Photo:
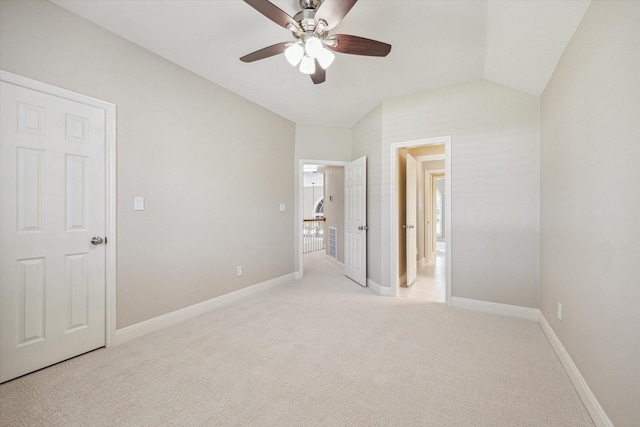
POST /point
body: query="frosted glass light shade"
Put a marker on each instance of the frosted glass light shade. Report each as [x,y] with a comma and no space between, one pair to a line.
[307,65]
[313,47]
[326,57]
[294,54]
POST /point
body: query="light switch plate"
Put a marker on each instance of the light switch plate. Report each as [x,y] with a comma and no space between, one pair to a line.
[560,313]
[138,203]
[282,207]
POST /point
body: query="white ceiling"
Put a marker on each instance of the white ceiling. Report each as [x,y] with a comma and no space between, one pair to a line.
[436,43]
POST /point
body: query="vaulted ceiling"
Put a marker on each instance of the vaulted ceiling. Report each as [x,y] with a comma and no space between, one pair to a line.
[436,43]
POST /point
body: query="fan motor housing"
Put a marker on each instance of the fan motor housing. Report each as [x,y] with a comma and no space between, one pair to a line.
[306,19]
[310,4]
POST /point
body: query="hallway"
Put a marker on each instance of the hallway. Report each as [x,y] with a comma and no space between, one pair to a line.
[430,283]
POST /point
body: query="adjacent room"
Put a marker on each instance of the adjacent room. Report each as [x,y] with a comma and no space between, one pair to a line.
[307,212]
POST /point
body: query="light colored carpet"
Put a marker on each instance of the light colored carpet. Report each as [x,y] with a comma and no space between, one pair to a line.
[318,352]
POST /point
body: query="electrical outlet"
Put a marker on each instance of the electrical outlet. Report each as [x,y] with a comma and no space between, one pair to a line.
[239,271]
[560,311]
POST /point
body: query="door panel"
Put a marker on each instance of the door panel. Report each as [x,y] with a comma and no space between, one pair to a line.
[355,260]
[411,220]
[52,292]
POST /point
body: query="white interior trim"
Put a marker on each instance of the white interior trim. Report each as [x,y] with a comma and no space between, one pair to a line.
[597,413]
[157,323]
[300,217]
[446,140]
[594,408]
[496,308]
[375,287]
[430,157]
[110,182]
[384,291]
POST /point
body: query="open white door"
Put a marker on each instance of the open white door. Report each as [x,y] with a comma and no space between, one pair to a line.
[355,240]
[411,220]
[52,230]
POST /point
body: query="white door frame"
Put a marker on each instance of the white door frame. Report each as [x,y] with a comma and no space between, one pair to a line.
[300,214]
[110,181]
[393,223]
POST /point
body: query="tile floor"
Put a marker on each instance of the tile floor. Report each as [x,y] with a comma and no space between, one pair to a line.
[430,283]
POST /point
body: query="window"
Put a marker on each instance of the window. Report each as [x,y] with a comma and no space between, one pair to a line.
[318,211]
[438,214]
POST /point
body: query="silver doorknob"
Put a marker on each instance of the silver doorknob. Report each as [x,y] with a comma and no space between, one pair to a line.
[97,240]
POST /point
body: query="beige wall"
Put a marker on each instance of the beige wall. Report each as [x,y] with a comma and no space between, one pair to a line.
[334,206]
[495,184]
[590,205]
[322,143]
[182,143]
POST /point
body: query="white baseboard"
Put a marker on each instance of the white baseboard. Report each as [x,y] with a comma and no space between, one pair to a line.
[384,291]
[374,286]
[496,308]
[139,329]
[589,400]
[598,415]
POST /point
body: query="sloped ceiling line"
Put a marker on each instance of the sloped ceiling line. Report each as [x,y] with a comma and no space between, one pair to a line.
[435,43]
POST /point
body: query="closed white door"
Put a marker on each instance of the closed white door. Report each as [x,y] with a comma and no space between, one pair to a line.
[411,220]
[355,243]
[52,203]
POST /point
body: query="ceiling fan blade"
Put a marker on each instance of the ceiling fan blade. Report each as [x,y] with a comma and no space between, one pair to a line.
[355,45]
[266,52]
[332,11]
[320,74]
[273,12]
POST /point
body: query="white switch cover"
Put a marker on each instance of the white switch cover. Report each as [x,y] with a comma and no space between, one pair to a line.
[559,311]
[138,203]
[239,271]
[282,207]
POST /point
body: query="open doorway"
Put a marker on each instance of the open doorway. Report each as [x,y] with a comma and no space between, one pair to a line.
[320,212]
[420,219]
[313,219]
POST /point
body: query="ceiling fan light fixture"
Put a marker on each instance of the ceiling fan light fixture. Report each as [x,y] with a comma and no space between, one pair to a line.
[294,54]
[313,47]
[307,65]
[325,59]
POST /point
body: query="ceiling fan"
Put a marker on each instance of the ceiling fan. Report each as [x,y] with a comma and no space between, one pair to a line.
[313,46]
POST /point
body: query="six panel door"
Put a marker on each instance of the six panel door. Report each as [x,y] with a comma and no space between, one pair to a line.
[355,243]
[52,291]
